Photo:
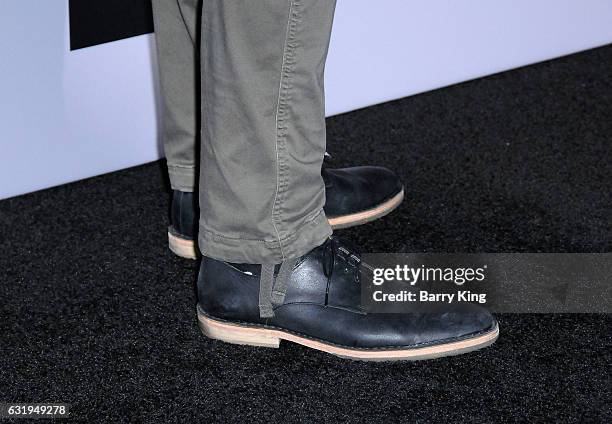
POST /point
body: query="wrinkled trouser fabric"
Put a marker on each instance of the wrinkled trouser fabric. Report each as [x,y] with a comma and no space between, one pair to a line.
[262,120]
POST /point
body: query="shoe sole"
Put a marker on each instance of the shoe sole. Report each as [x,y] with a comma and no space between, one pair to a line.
[359,218]
[187,248]
[263,337]
[182,247]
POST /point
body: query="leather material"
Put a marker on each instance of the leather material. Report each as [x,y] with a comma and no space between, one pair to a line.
[325,305]
[184,215]
[347,191]
[358,189]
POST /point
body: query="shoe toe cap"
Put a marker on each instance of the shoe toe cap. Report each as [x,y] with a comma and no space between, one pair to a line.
[466,322]
[432,327]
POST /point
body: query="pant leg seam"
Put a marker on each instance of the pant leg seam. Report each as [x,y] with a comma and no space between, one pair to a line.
[191,37]
[287,68]
[288,237]
[182,177]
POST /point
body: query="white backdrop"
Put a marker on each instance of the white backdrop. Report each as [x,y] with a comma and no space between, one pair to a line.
[70,115]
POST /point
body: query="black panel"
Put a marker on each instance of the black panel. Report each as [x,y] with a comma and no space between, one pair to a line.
[95,22]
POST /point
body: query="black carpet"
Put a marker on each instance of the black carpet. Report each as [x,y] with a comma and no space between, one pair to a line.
[98,313]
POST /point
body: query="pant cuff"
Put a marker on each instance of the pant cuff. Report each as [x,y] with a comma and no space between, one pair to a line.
[182,177]
[312,234]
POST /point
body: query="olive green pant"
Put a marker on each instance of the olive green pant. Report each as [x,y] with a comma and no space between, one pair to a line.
[244,120]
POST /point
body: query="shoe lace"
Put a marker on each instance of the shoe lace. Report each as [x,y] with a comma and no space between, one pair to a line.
[273,286]
[341,249]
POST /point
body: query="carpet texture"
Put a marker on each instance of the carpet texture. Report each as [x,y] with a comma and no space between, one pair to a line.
[98,313]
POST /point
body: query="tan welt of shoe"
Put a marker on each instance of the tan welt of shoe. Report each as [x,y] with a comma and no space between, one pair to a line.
[182,247]
[187,248]
[345,221]
[254,336]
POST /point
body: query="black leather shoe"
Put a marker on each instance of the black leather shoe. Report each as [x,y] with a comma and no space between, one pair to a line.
[353,196]
[320,308]
[183,229]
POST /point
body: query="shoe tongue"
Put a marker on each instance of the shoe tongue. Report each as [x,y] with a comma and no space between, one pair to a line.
[328,252]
